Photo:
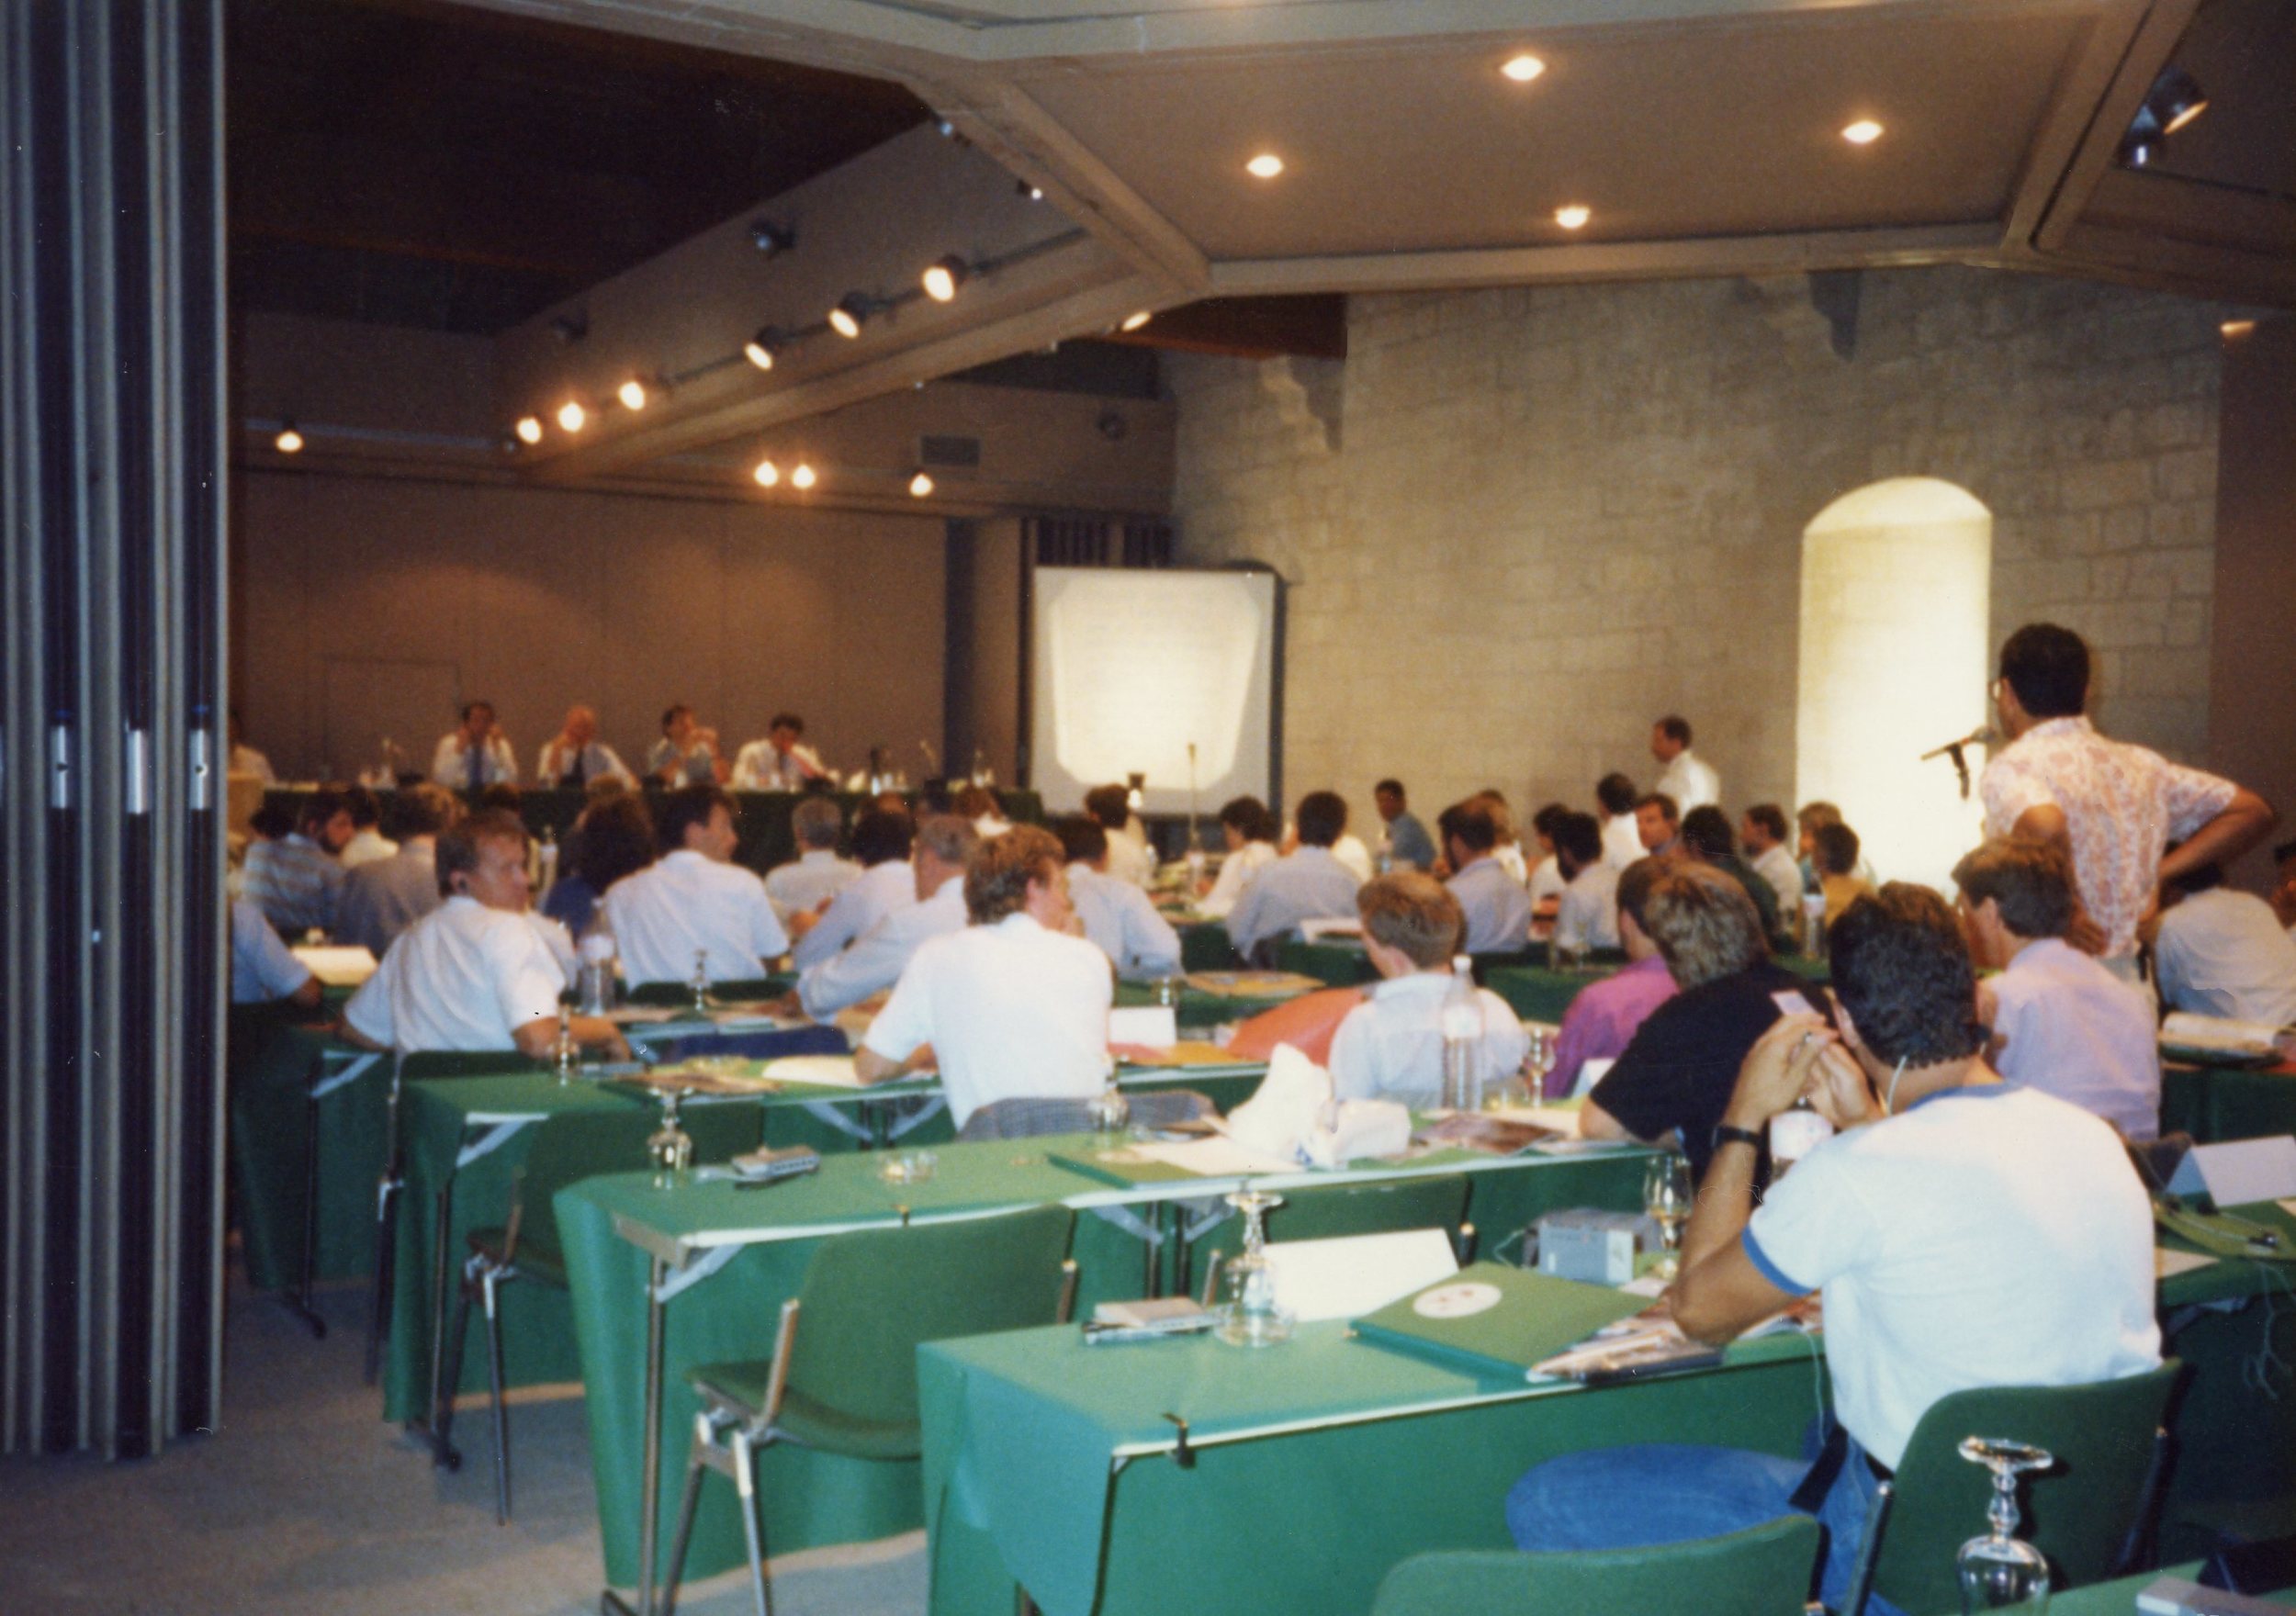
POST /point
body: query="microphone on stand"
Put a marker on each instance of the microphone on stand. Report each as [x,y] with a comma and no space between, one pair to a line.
[1982,735]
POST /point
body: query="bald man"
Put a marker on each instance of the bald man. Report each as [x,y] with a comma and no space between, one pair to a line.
[576,756]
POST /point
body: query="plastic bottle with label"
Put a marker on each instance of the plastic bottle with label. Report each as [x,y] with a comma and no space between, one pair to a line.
[1462,1039]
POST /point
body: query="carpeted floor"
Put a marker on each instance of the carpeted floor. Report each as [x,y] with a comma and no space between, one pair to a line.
[305,1502]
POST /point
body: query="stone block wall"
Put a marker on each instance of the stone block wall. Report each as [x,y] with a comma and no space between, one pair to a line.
[1522,523]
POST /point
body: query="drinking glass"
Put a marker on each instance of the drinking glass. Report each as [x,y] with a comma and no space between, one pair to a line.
[1666,1197]
[1250,1316]
[700,985]
[1566,958]
[1110,1111]
[2000,1569]
[671,1148]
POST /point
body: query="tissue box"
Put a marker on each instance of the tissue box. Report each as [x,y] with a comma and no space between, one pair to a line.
[1597,1248]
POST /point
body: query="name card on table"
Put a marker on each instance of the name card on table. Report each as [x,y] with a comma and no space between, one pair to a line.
[1350,1276]
[336,967]
[1151,1027]
[2239,1172]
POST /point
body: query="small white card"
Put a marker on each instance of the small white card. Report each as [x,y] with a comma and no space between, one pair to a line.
[1153,1026]
[831,1071]
[1315,931]
[2240,1172]
[1355,1274]
[2167,1264]
[337,967]
[1591,1072]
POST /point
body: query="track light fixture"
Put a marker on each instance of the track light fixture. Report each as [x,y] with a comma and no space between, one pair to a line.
[944,277]
[571,415]
[766,473]
[529,429]
[570,329]
[920,486]
[851,312]
[760,349]
[1132,322]
[289,441]
[632,393]
[802,476]
[771,237]
[2174,101]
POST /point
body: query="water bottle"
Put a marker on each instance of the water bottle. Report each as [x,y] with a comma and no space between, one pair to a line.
[1794,1133]
[1462,1040]
[597,954]
[1814,925]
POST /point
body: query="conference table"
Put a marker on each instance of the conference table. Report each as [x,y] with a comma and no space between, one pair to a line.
[666,1278]
[1188,1474]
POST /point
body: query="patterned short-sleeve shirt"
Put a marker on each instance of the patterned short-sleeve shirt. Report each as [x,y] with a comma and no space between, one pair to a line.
[2121,803]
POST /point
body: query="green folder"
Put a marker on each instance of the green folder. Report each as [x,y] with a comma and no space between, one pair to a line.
[1123,1174]
[1535,1317]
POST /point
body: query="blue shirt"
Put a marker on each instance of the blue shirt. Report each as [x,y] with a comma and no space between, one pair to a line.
[1308,884]
[1498,910]
[1409,843]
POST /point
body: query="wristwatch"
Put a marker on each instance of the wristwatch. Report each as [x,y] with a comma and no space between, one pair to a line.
[1726,1133]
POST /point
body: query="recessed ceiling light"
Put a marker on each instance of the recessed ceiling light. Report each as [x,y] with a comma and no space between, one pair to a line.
[529,430]
[766,473]
[1266,167]
[1863,132]
[1574,216]
[289,441]
[1523,68]
[571,415]
[632,393]
[1132,322]
[920,485]
[803,476]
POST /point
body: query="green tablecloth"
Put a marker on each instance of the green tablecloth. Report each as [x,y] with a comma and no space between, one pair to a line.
[1316,1465]
[1339,961]
[2215,1103]
[1198,1009]
[270,1130]
[763,1238]
[1537,994]
[1204,944]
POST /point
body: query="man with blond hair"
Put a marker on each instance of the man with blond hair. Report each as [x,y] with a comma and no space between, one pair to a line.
[1391,1046]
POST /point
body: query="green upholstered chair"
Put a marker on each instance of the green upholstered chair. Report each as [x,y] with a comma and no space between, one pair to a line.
[843,1375]
[675,995]
[568,1148]
[1436,1201]
[1763,1571]
[2083,1513]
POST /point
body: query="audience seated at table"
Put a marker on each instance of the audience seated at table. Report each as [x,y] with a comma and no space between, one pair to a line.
[1965,1232]
[368,841]
[295,879]
[807,884]
[1706,837]
[1547,880]
[1810,819]
[1307,883]
[881,844]
[1762,836]
[2222,952]
[1117,916]
[1405,844]
[2284,891]
[475,974]
[264,971]
[687,754]
[1497,910]
[1012,1007]
[1837,855]
[1689,781]
[1250,832]
[781,762]
[1616,797]
[615,837]
[694,899]
[1675,1076]
[1604,1016]
[575,756]
[1658,826]
[475,754]
[1129,857]
[2060,1021]
[1390,1046]
[1586,916]
[944,843]
[1507,849]
[380,900]
[979,804]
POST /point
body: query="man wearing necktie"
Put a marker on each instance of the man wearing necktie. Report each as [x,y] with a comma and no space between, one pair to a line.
[575,756]
[475,756]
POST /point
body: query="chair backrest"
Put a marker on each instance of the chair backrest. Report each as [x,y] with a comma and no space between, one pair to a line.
[2078,1514]
[758,1046]
[574,1145]
[1026,1118]
[1436,1201]
[676,995]
[872,1297]
[1763,1571]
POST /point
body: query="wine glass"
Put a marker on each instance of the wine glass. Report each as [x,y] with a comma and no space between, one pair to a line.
[1666,1197]
[700,984]
[2000,1569]
[1250,1316]
[671,1148]
[1109,1112]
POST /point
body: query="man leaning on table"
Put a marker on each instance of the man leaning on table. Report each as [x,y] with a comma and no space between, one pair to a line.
[1011,1007]
[475,754]
[694,899]
[474,974]
[575,756]
[1947,1258]
[875,960]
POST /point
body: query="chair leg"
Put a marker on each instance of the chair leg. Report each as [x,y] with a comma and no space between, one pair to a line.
[688,1506]
[487,1281]
[752,1509]
[443,1416]
[385,1264]
[1869,1550]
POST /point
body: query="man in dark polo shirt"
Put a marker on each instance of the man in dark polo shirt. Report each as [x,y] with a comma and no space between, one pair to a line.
[1675,1077]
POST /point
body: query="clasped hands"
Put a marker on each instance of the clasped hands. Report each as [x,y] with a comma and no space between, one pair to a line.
[1801,1057]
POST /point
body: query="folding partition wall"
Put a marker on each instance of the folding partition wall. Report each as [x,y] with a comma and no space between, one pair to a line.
[111,936]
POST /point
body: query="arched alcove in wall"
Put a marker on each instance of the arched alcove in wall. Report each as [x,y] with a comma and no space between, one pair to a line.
[1897,587]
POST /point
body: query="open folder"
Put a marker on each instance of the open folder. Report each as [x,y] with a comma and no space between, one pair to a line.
[1493,1320]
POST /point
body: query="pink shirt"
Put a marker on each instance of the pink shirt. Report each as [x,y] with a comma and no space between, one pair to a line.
[2121,806]
[1602,1020]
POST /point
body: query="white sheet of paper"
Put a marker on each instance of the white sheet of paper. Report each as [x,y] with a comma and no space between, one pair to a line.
[1355,1274]
[2188,1030]
[1329,927]
[1563,1119]
[337,967]
[1590,1074]
[1215,1157]
[1153,1026]
[2240,1170]
[834,1070]
[2167,1264]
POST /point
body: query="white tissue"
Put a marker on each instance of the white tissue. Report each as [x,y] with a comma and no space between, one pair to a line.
[1283,1110]
[1354,1130]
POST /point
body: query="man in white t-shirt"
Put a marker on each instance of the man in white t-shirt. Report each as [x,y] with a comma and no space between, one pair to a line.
[1129,857]
[1013,1007]
[474,974]
[1622,839]
[2221,952]
[880,841]
[875,960]
[1965,1233]
[1391,1046]
[1117,916]
[781,762]
[807,884]
[1689,779]
[265,970]
[694,899]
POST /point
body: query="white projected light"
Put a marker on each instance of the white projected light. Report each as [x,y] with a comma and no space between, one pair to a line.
[1896,588]
[1131,668]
